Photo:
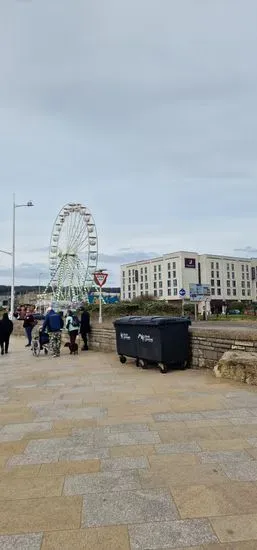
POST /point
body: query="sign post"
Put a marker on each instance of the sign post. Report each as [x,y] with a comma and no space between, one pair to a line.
[100,279]
[199,293]
[182,293]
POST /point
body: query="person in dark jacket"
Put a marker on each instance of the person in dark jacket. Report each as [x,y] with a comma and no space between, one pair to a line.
[29,324]
[85,328]
[6,328]
[53,325]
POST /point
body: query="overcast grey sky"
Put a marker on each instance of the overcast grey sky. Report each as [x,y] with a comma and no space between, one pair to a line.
[143,110]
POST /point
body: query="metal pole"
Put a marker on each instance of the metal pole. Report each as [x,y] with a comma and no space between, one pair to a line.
[196,311]
[100,305]
[182,307]
[13,260]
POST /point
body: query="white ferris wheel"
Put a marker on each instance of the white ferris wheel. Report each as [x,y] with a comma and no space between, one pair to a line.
[73,254]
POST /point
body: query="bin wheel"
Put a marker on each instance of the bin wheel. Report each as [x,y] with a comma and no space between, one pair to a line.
[163,368]
[143,364]
[123,359]
[137,362]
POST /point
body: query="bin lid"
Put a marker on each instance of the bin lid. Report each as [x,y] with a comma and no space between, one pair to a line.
[151,321]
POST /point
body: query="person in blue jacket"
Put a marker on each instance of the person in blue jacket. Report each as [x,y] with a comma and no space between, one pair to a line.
[53,324]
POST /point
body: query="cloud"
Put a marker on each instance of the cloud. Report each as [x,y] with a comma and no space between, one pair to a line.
[144,115]
[247,250]
[126,257]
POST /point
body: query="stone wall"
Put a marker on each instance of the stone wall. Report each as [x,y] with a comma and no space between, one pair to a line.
[207,345]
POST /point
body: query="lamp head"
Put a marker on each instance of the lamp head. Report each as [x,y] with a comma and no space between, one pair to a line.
[30,203]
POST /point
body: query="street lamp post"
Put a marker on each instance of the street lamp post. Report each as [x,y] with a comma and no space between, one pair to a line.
[29,203]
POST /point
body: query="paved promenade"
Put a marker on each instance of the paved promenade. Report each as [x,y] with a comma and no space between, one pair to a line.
[98,456]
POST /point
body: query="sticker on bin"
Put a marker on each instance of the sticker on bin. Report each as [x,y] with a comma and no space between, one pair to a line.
[125,336]
[145,338]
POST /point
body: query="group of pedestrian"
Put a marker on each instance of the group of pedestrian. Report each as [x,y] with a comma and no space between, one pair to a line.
[53,326]
[54,323]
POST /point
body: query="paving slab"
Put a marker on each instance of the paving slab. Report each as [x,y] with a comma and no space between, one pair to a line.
[21,542]
[128,507]
[170,535]
[97,456]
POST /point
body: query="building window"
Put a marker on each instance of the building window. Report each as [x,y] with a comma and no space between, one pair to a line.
[168,265]
[247,276]
[124,296]
[247,268]
[141,270]
[169,274]
[134,294]
[146,293]
[175,291]
[159,267]
[169,291]
[146,286]
[146,277]
[134,287]
[243,284]
[243,276]
[141,286]
[160,293]
[217,274]
[217,265]
[155,276]
[228,274]
[155,285]
[174,265]
[129,279]
[174,274]
[212,282]
[123,274]
[129,295]
[129,287]
[234,283]
[228,284]
[160,284]
[175,282]
[169,284]
[145,269]
[212,274]
[248,293]
[155,268]
[129,272]
[160,276]
[228,266]
[155,293]
[218,282]
[243,267]
[141,293]
[233,267]
[228,292]
[233,274]
[213,291]
[141,278]
[133,279]
[212,265]
[219,292]
[243,292]
[234,291]
[248,284]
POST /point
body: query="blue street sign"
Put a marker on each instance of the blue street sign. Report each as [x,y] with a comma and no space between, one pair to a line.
[182,292]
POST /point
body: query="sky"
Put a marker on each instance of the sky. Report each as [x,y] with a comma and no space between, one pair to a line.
[143,111]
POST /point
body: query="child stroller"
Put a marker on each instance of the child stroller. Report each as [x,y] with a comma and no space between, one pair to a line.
[40,343]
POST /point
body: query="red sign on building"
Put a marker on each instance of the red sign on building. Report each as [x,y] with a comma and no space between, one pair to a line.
[100,278]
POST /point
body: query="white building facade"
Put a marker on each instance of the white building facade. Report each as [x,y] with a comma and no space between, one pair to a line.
[230,278]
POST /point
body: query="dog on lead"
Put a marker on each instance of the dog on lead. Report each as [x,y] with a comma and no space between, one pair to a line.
[73,348]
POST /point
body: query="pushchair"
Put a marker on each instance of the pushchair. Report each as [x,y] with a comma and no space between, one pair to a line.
[40,343]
